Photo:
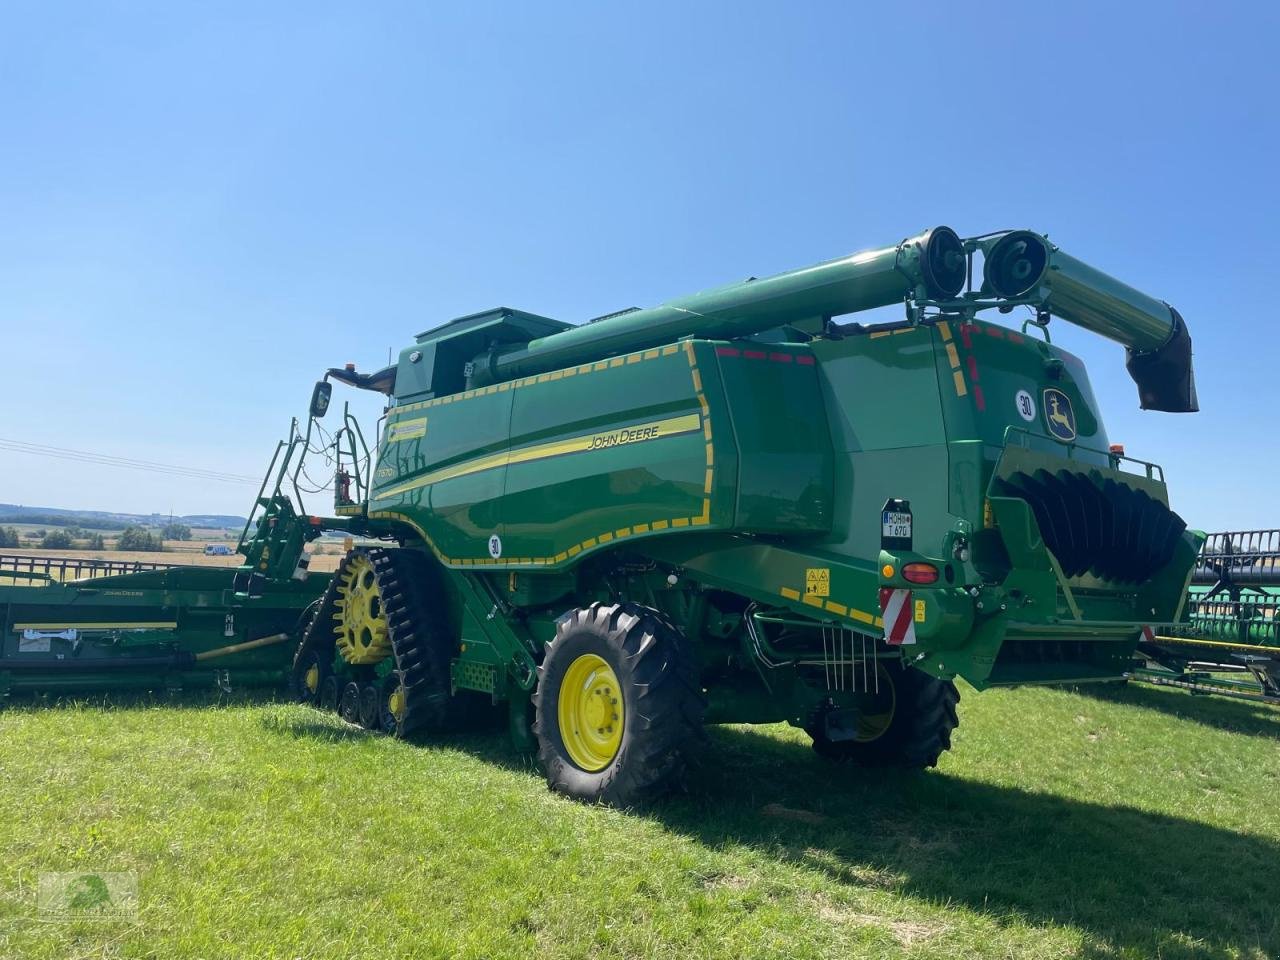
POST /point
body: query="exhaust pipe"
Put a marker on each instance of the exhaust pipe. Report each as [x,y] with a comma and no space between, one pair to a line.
[1022,264]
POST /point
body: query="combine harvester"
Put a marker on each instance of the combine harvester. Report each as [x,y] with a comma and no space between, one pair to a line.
[732,508]
[1232,629]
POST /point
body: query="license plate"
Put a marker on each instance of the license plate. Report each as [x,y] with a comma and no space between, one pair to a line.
[895,525]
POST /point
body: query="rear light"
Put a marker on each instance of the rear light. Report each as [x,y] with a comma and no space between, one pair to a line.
[920,573]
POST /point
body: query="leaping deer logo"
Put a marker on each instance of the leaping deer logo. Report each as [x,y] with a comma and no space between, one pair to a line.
[1060,418]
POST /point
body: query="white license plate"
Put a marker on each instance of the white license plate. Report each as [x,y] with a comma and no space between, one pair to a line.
[896,525]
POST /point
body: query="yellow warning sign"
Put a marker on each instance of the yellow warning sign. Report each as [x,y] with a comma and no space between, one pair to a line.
[919,611]
[817,582]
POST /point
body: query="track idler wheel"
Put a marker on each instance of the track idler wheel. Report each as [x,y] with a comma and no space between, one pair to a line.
[308,677]
[371,707]
[349,705]
[617,706]
[330,691]
[390,704]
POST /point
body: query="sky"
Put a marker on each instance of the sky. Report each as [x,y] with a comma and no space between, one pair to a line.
[202,207]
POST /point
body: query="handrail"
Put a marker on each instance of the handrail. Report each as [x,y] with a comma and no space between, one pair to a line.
[1030,441]
[48,569]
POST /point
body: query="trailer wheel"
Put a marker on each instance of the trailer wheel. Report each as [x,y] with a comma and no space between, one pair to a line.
[617,706]
[910,728]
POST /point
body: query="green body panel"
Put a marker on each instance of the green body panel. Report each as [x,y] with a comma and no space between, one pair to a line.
[566,464]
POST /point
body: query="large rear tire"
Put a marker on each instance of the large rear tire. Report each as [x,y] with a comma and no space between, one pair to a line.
[617,707]
[914,734]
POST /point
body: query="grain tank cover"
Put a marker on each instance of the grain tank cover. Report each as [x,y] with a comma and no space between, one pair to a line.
[437,363]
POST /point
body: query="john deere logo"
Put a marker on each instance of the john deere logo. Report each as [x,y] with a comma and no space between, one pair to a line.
[1058,415]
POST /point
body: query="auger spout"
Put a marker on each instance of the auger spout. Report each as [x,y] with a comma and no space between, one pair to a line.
[1025,265]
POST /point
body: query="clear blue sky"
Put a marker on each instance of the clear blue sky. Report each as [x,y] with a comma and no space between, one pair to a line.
[202,206]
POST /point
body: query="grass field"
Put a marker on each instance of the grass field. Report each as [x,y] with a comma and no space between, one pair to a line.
[1128,823]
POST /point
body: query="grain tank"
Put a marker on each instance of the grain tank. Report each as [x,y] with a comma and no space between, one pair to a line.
[745,505]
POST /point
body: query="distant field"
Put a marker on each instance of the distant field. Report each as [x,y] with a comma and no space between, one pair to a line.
[1131,823]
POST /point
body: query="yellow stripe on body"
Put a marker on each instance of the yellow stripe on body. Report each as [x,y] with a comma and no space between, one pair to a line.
[608,440]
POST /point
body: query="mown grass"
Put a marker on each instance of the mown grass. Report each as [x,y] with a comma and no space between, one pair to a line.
[1127,823]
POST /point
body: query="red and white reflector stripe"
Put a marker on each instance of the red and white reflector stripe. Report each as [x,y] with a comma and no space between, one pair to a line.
[895,608]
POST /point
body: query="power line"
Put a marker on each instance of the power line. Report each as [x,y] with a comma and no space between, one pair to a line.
[130,463]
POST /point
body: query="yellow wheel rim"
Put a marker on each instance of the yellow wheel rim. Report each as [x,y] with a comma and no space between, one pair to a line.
[874,723]
[312,678]
[591,712]
[361,623]
[395,703]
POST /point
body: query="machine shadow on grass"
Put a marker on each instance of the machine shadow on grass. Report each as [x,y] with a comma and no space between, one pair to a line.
[1137,883]
[1133,880]
[1223,713]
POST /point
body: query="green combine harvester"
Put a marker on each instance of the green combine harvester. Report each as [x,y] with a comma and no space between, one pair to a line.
[735,507]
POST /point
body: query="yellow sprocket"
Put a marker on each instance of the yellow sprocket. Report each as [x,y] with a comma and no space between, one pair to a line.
[360,621]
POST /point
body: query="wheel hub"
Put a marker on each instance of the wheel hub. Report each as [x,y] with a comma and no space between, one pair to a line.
[591,712]
[312,678]
[395,703]
[361,623]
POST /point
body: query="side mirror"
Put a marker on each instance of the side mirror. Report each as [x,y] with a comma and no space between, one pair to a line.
[320,398]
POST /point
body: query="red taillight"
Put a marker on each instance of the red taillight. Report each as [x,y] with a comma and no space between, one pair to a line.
[920,573]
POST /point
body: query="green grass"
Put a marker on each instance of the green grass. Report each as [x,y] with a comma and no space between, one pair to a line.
[1132,823]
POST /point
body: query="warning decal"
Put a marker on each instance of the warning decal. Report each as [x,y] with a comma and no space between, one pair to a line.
[817,582]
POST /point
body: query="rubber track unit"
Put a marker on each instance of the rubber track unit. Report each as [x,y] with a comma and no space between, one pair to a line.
[919,733]
[412,603]
[663,700]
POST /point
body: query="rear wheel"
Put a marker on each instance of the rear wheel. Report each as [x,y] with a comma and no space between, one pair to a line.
[617,706]
[906,722]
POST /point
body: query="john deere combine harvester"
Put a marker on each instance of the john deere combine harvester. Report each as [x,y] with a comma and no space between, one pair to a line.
[733,508]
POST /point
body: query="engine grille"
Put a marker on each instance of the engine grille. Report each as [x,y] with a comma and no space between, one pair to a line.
[1097,525]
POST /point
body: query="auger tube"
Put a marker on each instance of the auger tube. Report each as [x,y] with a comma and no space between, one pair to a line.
[1021,264]
[929,265]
